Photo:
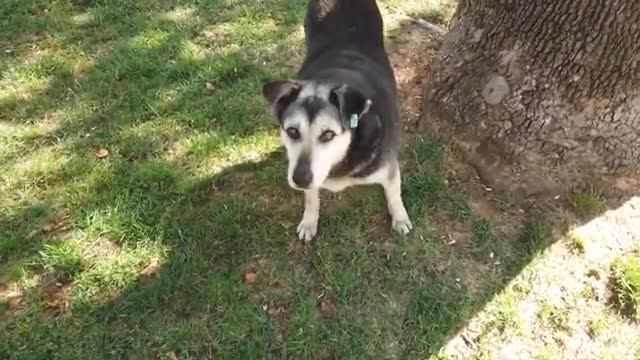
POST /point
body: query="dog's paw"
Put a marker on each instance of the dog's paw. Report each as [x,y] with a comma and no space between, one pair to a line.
[402,226]
[307,230]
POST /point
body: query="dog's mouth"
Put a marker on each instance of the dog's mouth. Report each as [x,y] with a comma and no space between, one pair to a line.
[296,187]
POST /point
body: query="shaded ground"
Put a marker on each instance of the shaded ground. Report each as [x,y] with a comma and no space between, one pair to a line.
[142,212]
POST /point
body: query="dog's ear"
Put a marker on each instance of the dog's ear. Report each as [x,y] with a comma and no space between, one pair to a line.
[280,94]
[351,103]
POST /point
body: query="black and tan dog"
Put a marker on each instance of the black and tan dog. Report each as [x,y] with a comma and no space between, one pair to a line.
[340,118]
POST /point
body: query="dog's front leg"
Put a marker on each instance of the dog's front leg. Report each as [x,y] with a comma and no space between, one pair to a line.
[309,225]
[393,192]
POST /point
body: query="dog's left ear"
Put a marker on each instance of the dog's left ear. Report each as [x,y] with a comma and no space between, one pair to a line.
[351,103]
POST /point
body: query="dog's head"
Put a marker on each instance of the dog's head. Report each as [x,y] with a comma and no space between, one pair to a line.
[317,122]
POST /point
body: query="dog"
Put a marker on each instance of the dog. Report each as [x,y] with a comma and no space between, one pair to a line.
[339,119]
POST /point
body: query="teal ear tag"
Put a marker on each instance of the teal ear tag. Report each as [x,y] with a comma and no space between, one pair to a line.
[353,121]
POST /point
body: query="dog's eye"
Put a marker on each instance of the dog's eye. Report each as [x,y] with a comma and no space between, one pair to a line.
[293,133]
[327,136]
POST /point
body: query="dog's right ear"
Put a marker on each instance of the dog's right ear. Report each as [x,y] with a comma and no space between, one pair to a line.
[351,103]
[280,94]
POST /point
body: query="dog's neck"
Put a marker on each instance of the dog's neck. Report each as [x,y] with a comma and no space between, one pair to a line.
[364,151]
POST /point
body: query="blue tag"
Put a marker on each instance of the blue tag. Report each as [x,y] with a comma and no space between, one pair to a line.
[353,123]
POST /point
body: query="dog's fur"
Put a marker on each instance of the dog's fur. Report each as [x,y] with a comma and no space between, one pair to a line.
[346,74]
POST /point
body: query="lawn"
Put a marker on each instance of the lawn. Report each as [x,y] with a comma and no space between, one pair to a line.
[144,210]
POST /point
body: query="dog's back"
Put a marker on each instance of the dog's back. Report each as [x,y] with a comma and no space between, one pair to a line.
[347,24]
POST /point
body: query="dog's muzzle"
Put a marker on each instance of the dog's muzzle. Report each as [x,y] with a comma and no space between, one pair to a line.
[302,175]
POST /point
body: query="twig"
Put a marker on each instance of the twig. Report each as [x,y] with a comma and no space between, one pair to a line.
[425,24]
[467,341]
[429,26]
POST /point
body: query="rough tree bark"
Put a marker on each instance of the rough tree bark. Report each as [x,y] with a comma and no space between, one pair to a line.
[541,81]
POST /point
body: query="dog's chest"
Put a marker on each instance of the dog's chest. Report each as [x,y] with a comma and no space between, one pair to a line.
[341,183]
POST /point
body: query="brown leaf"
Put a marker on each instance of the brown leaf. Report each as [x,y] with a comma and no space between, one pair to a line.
[172,355]
[250,277]
[327,307]
[102,153]
[151,268]
[12,296]
[286,225]
[58,302]
[15,302]
[276,310]
[210,35]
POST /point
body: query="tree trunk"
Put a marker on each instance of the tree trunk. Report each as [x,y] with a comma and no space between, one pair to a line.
[542,80]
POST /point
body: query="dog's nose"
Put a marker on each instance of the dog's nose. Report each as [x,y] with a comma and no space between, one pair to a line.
[302,178]
[302,175]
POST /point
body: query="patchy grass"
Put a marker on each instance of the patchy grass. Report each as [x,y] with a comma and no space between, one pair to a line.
[597,327]
[577,242]
[587,202]
[625,281]
[142,210]
[461,210]
[556,317]
[535,236]
[484,237]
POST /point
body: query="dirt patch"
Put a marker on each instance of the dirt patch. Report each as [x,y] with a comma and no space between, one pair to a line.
[11,302]
[411,53]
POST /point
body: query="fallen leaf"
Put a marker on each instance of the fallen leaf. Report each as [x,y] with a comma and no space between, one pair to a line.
[57,302]
[210,35]
[286,225]
[327,307]
[15,302]
[250,277]
[172,355]
[276,310]
[102,153]
[151,268]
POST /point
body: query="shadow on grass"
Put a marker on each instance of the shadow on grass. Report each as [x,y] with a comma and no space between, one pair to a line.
[152,66]
[164,271]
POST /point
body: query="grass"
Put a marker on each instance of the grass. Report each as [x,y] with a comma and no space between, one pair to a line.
[554,316]
[141,179]
[597,327]
[577,242]
[586,202]
[626,284]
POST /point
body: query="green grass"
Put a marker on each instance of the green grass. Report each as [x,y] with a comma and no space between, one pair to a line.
[141,178]
[577,242]
[625,281]
[555,317]
[586,202]
[597,327]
